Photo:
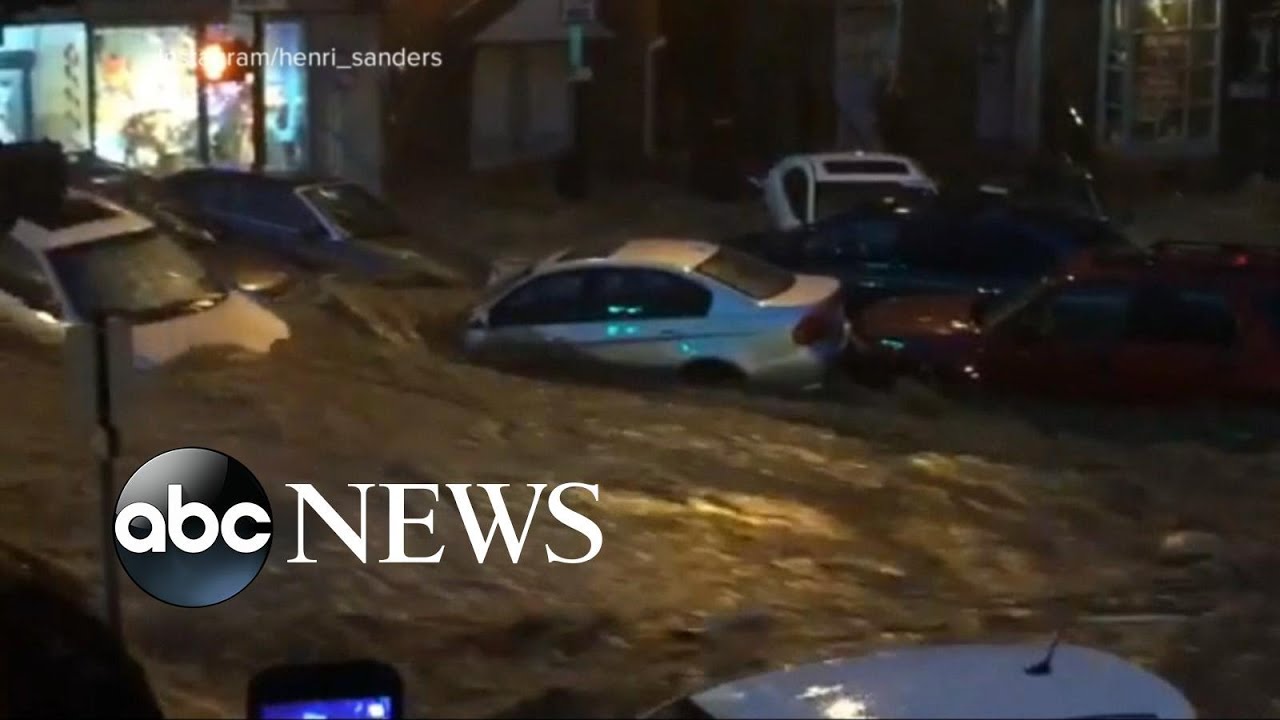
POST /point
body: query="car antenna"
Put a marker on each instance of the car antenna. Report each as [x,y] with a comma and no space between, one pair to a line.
[1045,666]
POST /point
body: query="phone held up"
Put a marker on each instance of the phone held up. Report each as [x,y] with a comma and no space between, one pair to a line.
[349,690]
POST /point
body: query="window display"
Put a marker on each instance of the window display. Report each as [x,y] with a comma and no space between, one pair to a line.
[1162,71]
[230,107]
[286,98]
[43,88]
[147,98]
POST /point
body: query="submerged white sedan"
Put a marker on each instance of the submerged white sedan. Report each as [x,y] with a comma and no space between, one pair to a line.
[710,313]
[97,258]
[1004,682]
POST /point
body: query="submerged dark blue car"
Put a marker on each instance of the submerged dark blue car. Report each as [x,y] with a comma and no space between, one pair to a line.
[891,249]
[329,226]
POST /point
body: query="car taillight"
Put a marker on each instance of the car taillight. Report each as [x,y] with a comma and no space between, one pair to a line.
[824,321]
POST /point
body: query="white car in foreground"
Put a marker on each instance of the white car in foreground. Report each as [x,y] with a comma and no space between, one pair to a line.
[800,190]
[709,313]
[98,259]
[957,681]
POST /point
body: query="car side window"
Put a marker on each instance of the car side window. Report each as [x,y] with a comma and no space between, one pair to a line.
[1183,317]
[1087,315]
[648,295]
[22,276]
[550,299]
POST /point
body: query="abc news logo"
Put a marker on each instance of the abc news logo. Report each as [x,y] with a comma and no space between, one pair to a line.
[193,526]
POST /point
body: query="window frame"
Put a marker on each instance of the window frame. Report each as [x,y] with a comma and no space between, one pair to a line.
[707,296]
[496,307]
[1115,107]
[1035,317]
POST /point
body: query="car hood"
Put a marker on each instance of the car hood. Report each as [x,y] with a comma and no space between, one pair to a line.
[919,315]
[237,322]
[960,681]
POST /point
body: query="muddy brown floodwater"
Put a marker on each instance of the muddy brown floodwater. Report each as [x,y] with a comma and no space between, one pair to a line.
[740,532]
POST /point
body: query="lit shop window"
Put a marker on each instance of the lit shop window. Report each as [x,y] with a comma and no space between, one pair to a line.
[147,114]
[1162,72]
[286,98]
[229,102]
[43,84]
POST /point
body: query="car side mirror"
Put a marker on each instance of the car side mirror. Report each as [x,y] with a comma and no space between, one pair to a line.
[478,322]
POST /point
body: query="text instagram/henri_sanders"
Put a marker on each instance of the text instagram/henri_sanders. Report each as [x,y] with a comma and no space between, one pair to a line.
[357,541]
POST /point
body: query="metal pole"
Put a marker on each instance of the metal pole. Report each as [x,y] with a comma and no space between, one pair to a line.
[259,95]
[202,98]
[107,448]
[1037,73]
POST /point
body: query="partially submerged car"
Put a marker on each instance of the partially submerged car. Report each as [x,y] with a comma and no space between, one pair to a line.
[240,266]
[1177,325]
[709,313]
[948,681]
[893,248]
[325,225]
[96,258]
[802,189]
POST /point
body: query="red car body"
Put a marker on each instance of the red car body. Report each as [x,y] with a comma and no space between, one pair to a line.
[1162,328]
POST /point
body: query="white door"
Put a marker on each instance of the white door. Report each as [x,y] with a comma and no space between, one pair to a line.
[547,315]
[788,193]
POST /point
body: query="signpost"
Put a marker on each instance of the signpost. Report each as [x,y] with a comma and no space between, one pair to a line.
[576,15]
[100,367]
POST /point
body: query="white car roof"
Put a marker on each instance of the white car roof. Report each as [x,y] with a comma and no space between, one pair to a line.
[953,681]
[673,253]
[112,221]
[859,155]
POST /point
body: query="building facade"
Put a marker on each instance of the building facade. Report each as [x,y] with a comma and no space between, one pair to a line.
[121,79]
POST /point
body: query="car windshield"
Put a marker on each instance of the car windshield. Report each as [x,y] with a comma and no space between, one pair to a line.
[996,310]
[356,211]
[748,275]
[141,275]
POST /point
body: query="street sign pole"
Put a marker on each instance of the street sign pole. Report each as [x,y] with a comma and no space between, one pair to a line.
[576,15]
[99,363]
[106,444]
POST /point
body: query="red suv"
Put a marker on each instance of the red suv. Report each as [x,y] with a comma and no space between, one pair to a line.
[1183,322]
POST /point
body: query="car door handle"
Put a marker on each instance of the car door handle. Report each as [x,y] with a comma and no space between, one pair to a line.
[667,333]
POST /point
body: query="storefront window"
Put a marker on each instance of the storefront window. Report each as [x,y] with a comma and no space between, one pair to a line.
[286,97]
[43,84]
[146,106]
[1162,74]
[230,108]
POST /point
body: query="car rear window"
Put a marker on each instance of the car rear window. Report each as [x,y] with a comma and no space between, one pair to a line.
[748,275]
[867,167]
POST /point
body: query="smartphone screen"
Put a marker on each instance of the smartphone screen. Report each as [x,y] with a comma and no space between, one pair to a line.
[377,708]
